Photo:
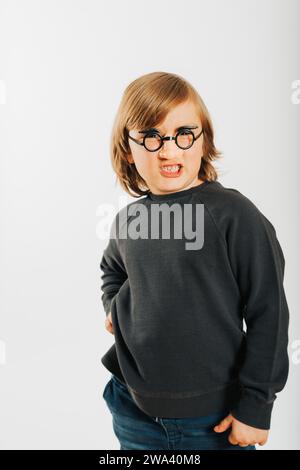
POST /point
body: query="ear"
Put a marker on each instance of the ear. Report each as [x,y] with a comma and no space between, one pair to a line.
[129,158]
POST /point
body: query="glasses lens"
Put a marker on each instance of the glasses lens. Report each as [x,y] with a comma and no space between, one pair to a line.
[184,139]
[152,142]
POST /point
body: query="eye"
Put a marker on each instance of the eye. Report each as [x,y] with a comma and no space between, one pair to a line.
[185,132]
[152,134]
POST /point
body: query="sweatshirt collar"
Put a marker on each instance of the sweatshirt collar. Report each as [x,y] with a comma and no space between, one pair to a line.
[177,194]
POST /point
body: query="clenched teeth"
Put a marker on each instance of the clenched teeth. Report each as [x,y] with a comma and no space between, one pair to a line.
[173,168]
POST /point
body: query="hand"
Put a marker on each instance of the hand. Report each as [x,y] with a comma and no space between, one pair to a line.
[241,433]
[108,323]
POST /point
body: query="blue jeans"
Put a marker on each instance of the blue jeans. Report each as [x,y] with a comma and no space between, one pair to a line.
[136,430]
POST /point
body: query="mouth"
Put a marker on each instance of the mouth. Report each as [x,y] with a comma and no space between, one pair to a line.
[171,171]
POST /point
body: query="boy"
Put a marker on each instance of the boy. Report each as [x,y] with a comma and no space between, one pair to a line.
[177,310]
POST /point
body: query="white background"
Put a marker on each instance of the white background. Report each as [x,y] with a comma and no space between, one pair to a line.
[63,68]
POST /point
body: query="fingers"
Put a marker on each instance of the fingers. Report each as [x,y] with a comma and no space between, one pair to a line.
[242,443]
[233,440]
[224,424]
[108,324]
[244,435]
[109,327]
[262,443]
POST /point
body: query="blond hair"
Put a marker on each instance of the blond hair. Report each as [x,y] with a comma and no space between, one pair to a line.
[145,103]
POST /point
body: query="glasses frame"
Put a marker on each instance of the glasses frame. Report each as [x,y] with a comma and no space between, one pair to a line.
[162,139]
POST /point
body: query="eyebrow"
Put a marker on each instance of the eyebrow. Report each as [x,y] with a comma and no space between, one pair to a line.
[153,129]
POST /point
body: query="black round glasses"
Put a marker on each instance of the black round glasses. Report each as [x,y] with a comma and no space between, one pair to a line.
[153,141]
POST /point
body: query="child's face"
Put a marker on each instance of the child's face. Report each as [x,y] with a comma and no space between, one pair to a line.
[148,164]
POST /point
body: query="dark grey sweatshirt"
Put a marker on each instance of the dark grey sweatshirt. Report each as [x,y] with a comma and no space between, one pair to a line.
[181,345]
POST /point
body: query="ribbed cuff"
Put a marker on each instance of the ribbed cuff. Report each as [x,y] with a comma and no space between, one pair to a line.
[252,411]
[108,304]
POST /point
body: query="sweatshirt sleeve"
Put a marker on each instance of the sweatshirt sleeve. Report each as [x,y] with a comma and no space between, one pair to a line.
[113,271]
[258,263]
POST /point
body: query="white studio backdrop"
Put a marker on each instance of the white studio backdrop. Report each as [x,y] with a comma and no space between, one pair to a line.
[63,68]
